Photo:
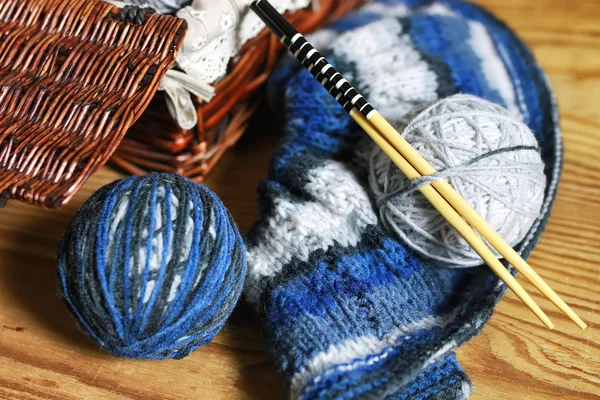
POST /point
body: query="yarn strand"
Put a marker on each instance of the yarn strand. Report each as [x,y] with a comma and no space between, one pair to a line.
[417,183]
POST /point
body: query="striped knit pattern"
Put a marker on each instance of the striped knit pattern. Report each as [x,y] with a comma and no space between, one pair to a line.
[349,311]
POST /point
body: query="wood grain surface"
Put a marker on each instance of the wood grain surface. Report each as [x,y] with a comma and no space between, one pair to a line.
[44,356]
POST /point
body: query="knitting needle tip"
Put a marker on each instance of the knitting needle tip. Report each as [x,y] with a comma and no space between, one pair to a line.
[579,322]
[547,322]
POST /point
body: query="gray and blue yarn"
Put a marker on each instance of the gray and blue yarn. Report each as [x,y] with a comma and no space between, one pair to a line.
[349,311]
[151,267]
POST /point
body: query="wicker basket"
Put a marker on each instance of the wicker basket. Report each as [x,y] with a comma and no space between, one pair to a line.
[155,142]
[74,76]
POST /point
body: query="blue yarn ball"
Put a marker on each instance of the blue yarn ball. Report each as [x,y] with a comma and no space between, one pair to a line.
[151,267]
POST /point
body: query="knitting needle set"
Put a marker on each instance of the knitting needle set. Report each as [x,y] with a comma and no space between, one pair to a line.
[440,193]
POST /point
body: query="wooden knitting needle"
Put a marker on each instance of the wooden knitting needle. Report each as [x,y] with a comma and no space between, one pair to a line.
[468,213]
[310,58]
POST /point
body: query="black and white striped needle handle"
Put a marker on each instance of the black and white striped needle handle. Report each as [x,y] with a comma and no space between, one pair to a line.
[317,65]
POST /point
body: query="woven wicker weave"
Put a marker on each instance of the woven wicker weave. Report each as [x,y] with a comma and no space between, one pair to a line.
[155,142]
[74,76]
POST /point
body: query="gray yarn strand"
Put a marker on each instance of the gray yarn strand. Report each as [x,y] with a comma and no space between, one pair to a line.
[418,183]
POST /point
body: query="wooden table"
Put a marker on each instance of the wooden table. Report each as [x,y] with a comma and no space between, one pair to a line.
[43,355]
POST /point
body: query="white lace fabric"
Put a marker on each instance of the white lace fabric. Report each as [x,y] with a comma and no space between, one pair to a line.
[217,30]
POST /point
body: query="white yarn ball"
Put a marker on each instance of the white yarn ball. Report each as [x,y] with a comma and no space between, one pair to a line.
[489,157]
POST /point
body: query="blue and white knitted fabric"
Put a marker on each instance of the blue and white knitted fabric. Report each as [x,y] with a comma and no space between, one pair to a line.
[350,313]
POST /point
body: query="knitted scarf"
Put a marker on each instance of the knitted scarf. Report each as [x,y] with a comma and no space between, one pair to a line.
[350,312]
